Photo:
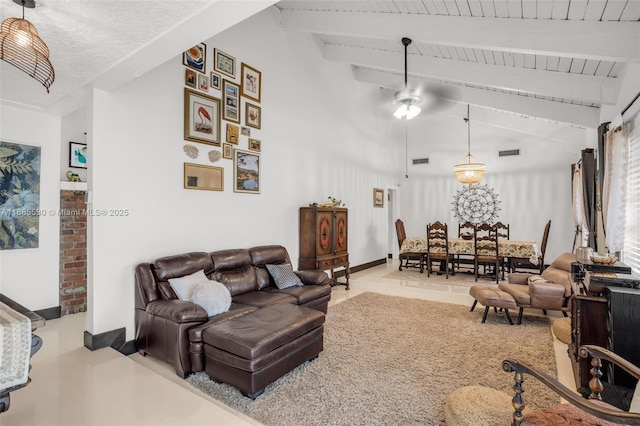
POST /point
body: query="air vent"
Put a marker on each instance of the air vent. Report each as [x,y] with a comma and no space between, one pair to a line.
[420,161]
[508,153]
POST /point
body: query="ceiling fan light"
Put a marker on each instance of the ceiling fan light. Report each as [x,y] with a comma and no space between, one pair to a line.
[401,111]
[413,111]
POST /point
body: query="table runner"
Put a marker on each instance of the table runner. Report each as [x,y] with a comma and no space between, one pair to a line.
[506,248]
[15,347]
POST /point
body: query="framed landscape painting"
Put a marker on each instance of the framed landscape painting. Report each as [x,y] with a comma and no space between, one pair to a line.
[246,172]
[201,118]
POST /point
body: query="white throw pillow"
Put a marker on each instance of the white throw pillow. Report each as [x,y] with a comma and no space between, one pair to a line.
[183,286]
[635,401]
[213,296]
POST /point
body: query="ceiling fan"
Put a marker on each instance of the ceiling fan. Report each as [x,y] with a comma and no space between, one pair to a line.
[409,102]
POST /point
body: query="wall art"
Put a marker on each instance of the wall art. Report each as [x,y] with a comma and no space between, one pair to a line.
[19,196]
[224,63]
[231,101]
[78,155]
[245,131]
[214,80]
[252,115]
[254,144]
[190,78]
[215,156]
[251,82]
[227,151]
[201,118]
[197,176]
[191,151]
[203,83]
[246,172]
[477,204]
[196,57]
[378,197]
[232,133]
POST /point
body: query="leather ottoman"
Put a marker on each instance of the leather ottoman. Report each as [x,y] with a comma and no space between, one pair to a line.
[254,350]
[491,296]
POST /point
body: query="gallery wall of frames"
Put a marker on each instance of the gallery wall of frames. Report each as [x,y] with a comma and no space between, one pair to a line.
[222,120]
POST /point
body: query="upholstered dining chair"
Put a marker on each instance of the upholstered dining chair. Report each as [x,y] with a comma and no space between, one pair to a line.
[578,411]
[438,247]
[516,263]
[465,231]
[502,232]
[411,259]
[486,249]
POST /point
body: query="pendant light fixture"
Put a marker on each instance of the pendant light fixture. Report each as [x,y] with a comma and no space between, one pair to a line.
[470,171]
[405,99]
[22,47]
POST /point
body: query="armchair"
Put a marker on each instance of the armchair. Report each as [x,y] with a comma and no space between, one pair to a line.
[579,411]
[549,291]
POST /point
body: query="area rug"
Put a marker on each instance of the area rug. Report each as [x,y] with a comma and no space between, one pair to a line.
[463,279]
[391,360]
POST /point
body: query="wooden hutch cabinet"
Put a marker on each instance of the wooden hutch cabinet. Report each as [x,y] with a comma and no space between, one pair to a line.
[323,240]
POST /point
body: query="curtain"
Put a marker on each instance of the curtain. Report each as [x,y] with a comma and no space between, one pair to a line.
[589,195]
[614,186]
[577,205]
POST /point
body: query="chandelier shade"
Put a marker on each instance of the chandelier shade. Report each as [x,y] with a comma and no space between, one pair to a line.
[22,47]
[470,170]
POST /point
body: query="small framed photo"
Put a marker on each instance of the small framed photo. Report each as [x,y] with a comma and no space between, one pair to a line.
[214,80]
[251,82]
[224,63]
[245,131]
[246,172]
[196,57]
[231,101]
[227,151]
[197,176]
[252,115]
[203,83]
[78,155]
[254,144]
[190,78]
[232,133]
[378,197]
[201,118]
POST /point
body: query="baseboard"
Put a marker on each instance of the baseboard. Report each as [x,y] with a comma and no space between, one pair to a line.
[114,338]
[128,348]
[358,268]
[50,313]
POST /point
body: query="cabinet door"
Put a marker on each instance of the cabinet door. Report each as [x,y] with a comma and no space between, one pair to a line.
[341,232]
[324,233]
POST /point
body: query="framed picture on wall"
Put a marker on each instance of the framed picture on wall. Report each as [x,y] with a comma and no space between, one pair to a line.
[246,172]
[224,63]
[196,57]
[231,101]
[252,116]
[227,151]
[78,155]
[232,133]
[378,197]
[203,82]
[201,118]
[198,176]
[190,78]
[251,82]
[254,144]
[215,80]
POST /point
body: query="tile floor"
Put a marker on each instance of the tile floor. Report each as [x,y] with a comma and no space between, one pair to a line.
[74,386]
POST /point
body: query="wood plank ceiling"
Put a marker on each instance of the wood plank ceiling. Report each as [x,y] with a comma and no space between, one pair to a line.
[556,60]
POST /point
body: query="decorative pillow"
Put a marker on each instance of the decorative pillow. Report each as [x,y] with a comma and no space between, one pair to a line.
[635,401]
[213,296]
[283,276]
[183,286]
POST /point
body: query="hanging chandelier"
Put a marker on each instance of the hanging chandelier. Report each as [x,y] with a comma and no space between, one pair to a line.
[469,171]
[406,100]
[22,47]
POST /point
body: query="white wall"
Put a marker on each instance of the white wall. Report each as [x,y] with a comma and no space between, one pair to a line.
[73,130]
[320,137]
[629,87]
[30,276]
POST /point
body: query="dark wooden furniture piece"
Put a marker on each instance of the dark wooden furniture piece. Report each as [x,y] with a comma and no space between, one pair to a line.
[486,249]
[411,259]
[516,263]
[502,232]
[438,248]
[466,231]
[36,343]
[604,315]
[323,240]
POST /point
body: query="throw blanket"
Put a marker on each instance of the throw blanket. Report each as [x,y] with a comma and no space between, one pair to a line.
[15,347]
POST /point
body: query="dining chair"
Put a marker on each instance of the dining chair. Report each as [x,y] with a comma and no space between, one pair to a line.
[486,249]
[438,247]
[502,232]
[465,231]
[411,259]
[516,263]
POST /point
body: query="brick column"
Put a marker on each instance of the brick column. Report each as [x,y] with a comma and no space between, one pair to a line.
[73,252]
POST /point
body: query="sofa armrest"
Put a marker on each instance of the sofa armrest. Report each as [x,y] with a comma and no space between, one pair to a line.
[519,277]
[178,311]
[313,277]
[545,295]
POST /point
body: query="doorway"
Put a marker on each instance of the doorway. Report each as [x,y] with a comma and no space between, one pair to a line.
[392,240]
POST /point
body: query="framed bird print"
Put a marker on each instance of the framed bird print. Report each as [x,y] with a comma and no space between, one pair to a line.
[201,118]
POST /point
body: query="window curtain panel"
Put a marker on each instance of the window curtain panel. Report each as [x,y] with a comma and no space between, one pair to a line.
[614,186]
[577,204]
[589,194]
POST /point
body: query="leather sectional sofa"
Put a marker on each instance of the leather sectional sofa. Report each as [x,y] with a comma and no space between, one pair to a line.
[266,332]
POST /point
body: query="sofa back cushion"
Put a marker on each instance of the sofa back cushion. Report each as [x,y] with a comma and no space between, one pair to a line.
[233,269]
[178,266]
[267,255]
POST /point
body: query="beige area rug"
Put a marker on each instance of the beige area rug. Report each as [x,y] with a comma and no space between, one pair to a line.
[463,279]
[392,361]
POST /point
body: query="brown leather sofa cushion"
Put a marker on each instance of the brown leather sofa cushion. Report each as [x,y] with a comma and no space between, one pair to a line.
[233,269]
[304,293]
[260,298]
[182,264]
